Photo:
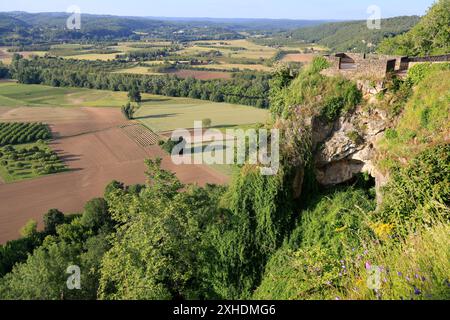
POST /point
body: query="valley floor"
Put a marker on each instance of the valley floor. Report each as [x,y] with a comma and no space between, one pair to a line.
[95,144]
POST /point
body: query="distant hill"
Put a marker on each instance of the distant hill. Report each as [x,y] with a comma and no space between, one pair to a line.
[25,28]
[251,25]
[352,36]
[431,36]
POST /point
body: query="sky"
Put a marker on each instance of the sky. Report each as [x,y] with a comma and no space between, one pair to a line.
[275,9]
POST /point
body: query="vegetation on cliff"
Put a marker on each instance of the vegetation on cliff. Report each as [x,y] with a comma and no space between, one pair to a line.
[431,36]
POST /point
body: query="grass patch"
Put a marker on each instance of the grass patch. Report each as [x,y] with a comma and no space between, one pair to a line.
[13,94]
[164,114]
[425,120]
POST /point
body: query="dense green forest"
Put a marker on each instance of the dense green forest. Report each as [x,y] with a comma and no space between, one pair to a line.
[431,36]
[246,88]
[345,36]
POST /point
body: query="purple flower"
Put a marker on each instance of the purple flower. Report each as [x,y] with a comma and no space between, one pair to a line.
[417,292]
[368,266]
[400,274]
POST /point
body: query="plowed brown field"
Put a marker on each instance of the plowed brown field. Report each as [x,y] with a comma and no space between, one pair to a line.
[97,149]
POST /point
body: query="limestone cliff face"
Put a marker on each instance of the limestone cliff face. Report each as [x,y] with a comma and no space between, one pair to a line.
[347,147]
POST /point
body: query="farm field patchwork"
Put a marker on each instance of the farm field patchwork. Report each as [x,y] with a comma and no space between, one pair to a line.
[249,50]
[94,56]
[138,70]
[156,112]
[235,66]
[96,149]
[96,145]
[6,57]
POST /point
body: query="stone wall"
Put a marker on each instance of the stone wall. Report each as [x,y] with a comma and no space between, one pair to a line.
[362,66]
[442,58]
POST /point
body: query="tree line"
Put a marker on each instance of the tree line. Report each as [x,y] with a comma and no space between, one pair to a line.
[247,88]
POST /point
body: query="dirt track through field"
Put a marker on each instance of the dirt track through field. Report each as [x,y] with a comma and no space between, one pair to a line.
[97,149]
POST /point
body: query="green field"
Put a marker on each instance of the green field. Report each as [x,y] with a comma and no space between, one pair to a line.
[164,114]
[12,94]
[156,112]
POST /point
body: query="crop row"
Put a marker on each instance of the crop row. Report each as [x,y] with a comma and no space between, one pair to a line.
[19,132]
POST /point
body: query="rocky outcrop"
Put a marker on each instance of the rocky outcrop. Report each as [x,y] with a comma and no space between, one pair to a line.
[347,147]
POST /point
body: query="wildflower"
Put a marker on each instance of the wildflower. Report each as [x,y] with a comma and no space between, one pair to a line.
[417,291]
[337,298]
[424,279]
[400,274]
[368,266]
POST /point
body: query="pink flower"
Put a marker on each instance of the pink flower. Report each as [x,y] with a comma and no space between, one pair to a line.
[368,266]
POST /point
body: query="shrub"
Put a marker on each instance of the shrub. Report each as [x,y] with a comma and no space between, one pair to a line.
[420,191]
[52,219]
[319,64]
[303,274]
[206,123]
[332,108]
[96,214]
[29,230]
[391,134]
